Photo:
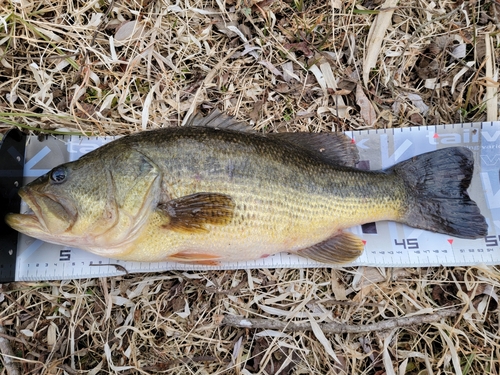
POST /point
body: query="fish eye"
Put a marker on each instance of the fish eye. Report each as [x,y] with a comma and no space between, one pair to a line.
[58,175]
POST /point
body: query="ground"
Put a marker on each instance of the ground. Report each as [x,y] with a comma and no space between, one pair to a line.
[116,67]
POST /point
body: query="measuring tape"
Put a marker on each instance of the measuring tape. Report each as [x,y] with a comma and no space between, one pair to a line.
[388,244]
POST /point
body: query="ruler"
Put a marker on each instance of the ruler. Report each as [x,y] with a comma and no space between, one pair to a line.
[388,244]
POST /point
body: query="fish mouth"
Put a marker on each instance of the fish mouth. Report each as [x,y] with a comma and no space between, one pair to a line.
[50,214]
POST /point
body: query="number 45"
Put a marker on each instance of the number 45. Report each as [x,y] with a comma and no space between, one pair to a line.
[410,243]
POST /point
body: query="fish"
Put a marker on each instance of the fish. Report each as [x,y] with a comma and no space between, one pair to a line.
[213,192]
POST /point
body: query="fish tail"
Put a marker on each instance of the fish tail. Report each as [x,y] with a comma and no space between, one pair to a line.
[436,183]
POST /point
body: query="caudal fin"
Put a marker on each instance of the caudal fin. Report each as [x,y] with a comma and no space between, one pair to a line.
[438,201]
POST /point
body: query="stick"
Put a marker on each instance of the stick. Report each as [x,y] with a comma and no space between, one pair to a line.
[258,323]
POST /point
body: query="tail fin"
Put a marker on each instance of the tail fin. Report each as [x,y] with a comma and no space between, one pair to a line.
[438,201]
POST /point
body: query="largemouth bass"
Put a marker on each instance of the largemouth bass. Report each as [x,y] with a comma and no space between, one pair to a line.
[202,194]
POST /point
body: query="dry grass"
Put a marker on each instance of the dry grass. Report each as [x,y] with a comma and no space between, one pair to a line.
[117,67]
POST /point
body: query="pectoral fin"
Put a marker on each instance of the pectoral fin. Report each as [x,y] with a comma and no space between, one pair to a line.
[342,248]
[193,212]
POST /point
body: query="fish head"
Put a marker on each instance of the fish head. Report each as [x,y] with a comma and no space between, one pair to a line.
[66,201]
[94,203]
[52,212]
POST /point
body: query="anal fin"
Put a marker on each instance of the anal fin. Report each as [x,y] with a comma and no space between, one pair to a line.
[341,248]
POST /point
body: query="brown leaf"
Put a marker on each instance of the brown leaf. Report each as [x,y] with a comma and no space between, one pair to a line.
[282,88]
[416,119]
[262,4]
[483,290]
[444,294]
[341,92]
[366,108]
[427,68]
[301,47]
[275,362]
[346,85]
[255,113]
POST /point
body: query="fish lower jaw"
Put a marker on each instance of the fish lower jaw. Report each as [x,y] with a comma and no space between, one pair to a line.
[28,224]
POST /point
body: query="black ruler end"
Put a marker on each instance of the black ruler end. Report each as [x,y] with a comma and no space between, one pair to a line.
[12,148]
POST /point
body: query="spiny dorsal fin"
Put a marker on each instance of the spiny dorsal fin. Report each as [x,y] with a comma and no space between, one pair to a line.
[333,148]
[217,119]
[342,248]
[193,212]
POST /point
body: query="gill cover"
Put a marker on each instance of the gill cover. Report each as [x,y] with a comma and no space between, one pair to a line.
[133,190]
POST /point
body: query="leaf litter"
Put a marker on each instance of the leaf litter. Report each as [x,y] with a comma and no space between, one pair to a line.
[113,68]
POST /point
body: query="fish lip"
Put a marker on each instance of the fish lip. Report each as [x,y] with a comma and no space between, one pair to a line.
[32,197]
[27,222]
[23,222]
[27,195]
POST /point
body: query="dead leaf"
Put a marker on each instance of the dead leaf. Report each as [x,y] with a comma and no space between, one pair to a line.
[416,119]
[485,297]
[288,73]
[418,102]
[129,30]
[446,294]
[270,67]
[260,4]
[345,86]
[301,47]
[366,108]
[282,88]
[427,68]
[376,36]
[276,360]
[255,113]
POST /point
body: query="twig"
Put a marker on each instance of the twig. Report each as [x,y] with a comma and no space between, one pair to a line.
[339,328]
[7,354]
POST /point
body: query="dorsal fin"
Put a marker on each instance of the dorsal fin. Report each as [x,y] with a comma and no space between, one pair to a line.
[333,148]
[217,119]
